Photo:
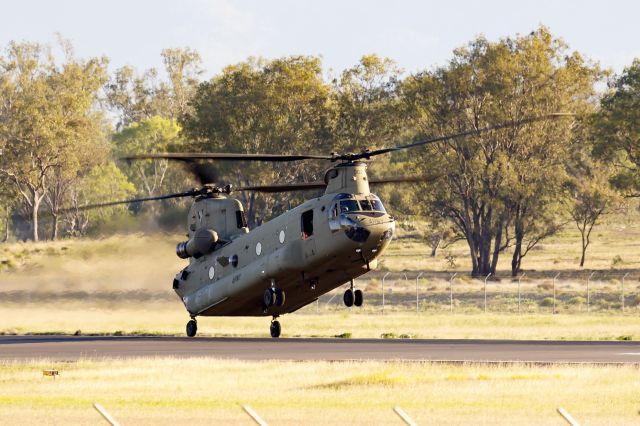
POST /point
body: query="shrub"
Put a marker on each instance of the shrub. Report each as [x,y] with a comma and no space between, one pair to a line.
[577,300]
[617,260]
[546,302]
[545,286]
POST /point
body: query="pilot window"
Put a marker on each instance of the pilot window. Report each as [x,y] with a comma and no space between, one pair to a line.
[348,206]
[241,219]
[366,205]
[377,205]
[307,224]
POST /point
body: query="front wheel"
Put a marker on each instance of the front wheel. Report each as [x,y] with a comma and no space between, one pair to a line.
[275,329]
[348,298]
[192,328]
[358,297]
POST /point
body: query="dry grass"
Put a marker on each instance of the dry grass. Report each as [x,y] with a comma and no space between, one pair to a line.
[619,236]
[170,319]
[207,391]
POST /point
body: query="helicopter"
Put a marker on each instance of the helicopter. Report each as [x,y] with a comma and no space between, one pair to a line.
[293,259]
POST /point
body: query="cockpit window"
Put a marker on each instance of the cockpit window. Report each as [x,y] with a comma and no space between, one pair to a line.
[348,206]
[376,204]
[366,205]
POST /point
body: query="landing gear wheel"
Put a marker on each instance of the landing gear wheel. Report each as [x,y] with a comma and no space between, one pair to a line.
[192,328]
[358,297]
[280,298]
[269,297]
[348,298]
[275,329]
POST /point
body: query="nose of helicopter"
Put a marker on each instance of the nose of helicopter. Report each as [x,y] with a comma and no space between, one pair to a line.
[372,233]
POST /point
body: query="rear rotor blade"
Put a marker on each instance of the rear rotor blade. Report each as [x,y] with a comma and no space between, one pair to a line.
[190,193]
[225,156]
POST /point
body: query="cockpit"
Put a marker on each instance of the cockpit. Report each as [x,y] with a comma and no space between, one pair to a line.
[349,203]
[345,204]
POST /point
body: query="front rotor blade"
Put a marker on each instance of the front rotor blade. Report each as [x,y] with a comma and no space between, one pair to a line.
[189,193]
[226,156]
[369,154]
[304,186]
[405,179]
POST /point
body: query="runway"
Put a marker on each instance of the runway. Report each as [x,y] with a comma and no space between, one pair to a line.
[71,348]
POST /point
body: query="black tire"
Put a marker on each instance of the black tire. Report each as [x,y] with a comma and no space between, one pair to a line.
[275,329]
[192,328]
[268,298]
[280,297]
[358,297]
[348,298]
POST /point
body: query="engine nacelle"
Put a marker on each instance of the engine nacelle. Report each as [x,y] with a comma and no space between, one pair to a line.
[203,242]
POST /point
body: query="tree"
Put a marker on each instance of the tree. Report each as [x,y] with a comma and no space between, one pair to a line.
[500,180]
[259,106]
[156,134]
[137,97]
[105,182]
[367,102]
[184,68]
[617,129]
[46,113]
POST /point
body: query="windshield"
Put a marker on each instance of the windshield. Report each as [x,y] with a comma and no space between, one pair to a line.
[377,204]
[348,206]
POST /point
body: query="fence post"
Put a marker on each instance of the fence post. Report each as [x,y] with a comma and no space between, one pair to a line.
[485,292]
[256,418]
[383,278]
[589,293]
[519,279]
[554,292]
[622,291]
[417,298]
[451,292]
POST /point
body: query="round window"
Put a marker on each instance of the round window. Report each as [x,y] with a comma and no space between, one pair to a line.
[258,249]
[212,272]
[281,237]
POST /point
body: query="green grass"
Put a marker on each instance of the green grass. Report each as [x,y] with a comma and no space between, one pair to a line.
[167,391]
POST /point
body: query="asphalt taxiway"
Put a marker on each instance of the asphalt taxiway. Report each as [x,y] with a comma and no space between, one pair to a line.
[71,348]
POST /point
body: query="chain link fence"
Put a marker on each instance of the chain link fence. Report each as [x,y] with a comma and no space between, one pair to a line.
[422,291]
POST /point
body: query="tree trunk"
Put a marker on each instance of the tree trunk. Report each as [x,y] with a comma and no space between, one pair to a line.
[34,216]
[6,226]
[584,250]
[435,244]
[496,251]
[517,251]
[54,227]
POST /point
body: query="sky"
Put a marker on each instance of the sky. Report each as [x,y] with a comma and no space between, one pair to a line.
[418,35]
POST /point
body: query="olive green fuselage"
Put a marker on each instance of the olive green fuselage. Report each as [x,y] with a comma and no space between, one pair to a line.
[307,251]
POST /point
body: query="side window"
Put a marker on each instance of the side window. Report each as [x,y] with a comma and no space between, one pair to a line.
[307,224]
[241,219]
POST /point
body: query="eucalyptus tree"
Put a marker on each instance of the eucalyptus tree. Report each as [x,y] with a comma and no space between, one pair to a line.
[47,120]
[500,187]
[617,129]
[277,106]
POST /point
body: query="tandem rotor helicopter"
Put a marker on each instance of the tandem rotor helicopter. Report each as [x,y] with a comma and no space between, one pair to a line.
[290,261]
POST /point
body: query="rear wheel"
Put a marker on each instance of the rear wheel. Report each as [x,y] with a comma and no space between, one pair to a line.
[280,298]
[269,297]
[275,329]
[348,298]
[192,328]
[358,297]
